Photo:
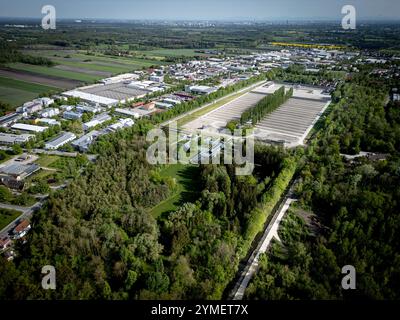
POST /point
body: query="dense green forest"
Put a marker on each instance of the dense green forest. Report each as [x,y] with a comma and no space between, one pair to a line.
[10,53]
[298,74]
[104,243]
[348,211]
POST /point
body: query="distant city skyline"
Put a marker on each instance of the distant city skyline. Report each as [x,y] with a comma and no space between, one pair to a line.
[202,10]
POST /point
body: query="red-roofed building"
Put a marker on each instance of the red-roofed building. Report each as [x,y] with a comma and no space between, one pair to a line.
[137,104]
[149,106]
[5,243]
[22,229]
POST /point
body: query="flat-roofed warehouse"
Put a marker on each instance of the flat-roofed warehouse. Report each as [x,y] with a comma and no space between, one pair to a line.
[91,98]
[60,140]
[19,171]
[107,94]
[83,143]
[28,127]
[10,139]
[117,91]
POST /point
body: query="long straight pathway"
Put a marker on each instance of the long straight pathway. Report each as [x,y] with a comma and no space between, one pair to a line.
[252,265]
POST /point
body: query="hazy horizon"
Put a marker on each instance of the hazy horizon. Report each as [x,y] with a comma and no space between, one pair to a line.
[221,10]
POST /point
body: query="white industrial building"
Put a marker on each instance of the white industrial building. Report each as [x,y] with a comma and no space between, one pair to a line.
[67,107]
[28,127]
[120,78]
[86,108]
[30,107]
[171,101]
[49,112]
[91,98]
[60,140]
[101,118]
[50,122]
[9,119]
[128,112]
[10,139]
[120,124]
[71,115]
[163,105]
[84,142]
[200,89]
[155,78]
[46,101]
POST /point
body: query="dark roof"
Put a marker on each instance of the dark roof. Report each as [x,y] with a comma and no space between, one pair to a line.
[12,183]
[18,169]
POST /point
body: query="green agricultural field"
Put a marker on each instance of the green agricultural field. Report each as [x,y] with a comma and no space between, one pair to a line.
[120,60]
[186,189]
[16,92]
[54,72]
[7,216]
[94,67]
[81,56]
[98,62]
[174,53]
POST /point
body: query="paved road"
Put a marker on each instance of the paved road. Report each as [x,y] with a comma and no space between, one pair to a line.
[26,212]
[55,153]
[270,233]
[62,186]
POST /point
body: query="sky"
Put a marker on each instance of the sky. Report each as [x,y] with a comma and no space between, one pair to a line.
[203,9]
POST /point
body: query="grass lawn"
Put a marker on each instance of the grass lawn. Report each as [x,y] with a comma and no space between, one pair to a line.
[51,71]
[47,160]
[41,175]
[186,190]
[63,163]
[16,92]
[8,216]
